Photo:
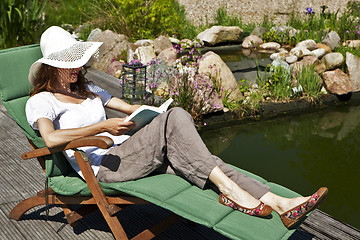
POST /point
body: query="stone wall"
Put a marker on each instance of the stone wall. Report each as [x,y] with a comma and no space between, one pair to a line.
[200,11]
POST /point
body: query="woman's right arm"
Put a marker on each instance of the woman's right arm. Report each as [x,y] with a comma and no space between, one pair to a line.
[53,138]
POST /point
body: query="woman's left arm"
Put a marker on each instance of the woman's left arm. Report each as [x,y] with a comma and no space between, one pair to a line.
[122,106]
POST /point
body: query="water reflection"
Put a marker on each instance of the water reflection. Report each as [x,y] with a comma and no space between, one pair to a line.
[301,153]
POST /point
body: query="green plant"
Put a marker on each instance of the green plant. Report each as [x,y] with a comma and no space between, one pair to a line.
[276,83]
[21,22]
[310,82]
[139,19]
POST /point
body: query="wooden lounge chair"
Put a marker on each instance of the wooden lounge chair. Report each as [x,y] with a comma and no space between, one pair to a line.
[66,188]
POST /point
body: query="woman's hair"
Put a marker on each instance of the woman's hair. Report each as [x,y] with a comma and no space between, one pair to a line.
[47,76]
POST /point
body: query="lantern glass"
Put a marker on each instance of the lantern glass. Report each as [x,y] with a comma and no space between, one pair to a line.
[133,81]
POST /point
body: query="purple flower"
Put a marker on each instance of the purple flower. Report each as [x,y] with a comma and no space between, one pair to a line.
[309,11]
[347,31]
[205,124]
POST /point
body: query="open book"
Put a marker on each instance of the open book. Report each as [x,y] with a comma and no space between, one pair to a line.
[145,114]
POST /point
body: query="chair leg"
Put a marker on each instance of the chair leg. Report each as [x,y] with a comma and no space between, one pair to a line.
[18,211]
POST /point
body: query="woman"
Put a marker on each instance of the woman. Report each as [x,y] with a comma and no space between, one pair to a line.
[65,106]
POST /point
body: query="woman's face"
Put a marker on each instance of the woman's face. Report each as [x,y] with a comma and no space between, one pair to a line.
[69,75]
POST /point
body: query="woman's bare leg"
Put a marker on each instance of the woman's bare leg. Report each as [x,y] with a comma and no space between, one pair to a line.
[232,190]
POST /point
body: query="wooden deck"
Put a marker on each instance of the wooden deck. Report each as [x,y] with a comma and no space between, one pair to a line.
[20,179]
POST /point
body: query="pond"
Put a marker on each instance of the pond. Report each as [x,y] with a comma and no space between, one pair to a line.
[301,152]
[244,63]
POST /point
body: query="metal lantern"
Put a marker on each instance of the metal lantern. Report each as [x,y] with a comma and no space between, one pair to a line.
[133,81]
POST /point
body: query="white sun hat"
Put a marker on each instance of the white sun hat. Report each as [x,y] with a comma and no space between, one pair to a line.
[60,49]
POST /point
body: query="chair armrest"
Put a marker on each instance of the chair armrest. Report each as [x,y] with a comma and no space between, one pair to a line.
[93,141]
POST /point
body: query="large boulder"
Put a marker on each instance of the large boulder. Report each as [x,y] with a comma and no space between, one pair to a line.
[324,46]
[336,82]
[114,68]
[353,67]
[145,54]
[333,60]
[114,44]
[220,34]
[308,44]
[212,65]
[161,43]
[270,46]
[252,41]
[168,56]
[332,39]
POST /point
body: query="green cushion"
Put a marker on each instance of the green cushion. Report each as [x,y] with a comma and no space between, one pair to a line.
[14,69]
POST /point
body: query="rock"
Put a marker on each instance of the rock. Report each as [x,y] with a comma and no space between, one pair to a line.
[211,99]
[336,82]
[353,67]
[319,53]
[288,31]
[212,64]
[333,60]
[161,43]
[291,59]
[94,34]
[168,56]
[270,46]
[320,68]
[352,43]
[324,46]
[310,60]
[281,64]
[279,56]
[259,31]
[283,50]
[113,45]
[251,41]
[299,52]
[308,44]
[174,40]
[332,39]
[145,54]
[220,34]
[144,42]
[114,67]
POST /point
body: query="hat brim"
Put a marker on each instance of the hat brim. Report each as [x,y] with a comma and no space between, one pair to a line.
[78,55]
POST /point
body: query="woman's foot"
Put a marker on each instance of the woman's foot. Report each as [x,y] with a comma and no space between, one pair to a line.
[261,210]
[292,216]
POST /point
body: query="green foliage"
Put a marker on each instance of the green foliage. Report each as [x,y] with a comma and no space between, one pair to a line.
[139,19]
[20,22]
[283,38]
[66,12]
[310,81]
[276,83]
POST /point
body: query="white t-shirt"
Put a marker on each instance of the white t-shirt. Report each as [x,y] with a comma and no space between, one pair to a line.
[70,115]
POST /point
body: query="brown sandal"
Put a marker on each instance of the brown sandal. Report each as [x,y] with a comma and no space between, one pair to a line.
[291,217]
[261,211]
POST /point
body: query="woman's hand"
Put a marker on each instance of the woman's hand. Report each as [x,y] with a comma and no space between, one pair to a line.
[117,126]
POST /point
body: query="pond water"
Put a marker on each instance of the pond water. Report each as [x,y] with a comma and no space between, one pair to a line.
[303,153]
[244,63]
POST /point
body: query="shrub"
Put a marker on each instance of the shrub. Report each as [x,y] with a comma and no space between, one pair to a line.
[21,22]
[139,19]
[310,82]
